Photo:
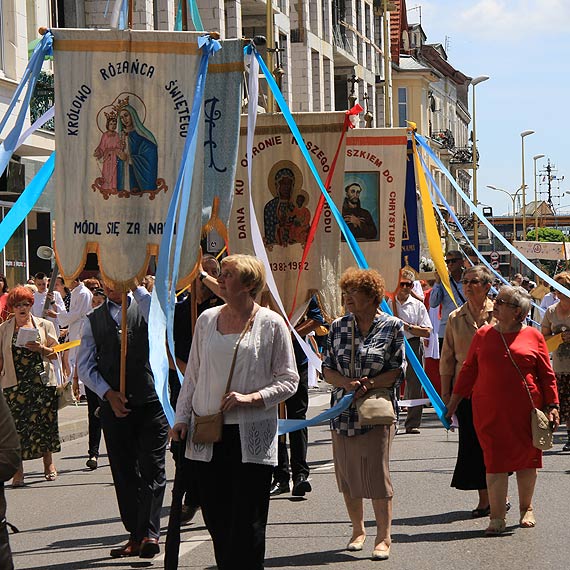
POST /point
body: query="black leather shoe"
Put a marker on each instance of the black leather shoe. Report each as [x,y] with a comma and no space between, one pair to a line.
[279,488]
[91,463]
[149,548]
[301,486]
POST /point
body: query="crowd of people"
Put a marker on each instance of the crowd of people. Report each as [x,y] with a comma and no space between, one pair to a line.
[240,364]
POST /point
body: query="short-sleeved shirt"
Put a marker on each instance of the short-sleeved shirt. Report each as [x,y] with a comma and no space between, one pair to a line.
[381,350]
[561,356]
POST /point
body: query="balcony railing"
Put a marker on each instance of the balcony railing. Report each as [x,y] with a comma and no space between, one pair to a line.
[463,155]
[43,99]
[444,138]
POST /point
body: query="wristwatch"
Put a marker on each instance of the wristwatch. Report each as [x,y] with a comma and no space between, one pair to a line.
[202,275]
[553,407]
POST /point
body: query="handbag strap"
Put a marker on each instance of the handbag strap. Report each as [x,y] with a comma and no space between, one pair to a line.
[352,349]
[518,369]
[243,333]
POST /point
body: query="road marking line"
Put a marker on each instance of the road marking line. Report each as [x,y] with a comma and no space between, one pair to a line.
[186,546]
[323,467]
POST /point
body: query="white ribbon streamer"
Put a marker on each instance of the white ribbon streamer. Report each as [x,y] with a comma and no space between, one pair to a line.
[259,248]
[38,124]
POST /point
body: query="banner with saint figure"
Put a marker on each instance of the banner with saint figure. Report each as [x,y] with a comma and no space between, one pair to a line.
[373,198]
[123,107]
[284,196]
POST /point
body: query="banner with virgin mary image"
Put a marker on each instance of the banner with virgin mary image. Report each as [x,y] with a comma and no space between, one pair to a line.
[373,198]
[123,108]
[285,195]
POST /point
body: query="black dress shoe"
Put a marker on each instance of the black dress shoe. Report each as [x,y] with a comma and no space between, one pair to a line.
[132,548]
[279,488]
[566,446]
[91,463]
[149,548]
[301,486]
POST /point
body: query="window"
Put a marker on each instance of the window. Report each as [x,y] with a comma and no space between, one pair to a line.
[402,106]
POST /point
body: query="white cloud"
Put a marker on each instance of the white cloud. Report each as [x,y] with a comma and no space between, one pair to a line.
[516,20]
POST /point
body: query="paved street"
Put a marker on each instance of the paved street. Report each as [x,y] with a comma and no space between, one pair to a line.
[71,524]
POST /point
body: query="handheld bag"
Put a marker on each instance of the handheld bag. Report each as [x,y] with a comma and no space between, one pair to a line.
[64,395]
[208,429]
[542,434]
[376,408]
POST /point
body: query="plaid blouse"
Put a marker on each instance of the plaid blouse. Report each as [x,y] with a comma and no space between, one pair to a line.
[381,350]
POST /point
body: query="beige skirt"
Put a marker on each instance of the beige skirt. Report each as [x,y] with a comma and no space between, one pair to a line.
[362,463]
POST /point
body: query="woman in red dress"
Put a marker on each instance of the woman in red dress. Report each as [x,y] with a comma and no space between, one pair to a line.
[501,404]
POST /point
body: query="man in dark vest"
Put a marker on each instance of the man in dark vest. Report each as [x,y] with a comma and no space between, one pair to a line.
[133,423]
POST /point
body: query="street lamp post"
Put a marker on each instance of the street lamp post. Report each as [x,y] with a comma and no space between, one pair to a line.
[523,135]
[535,158]
[475,82]
[513,198]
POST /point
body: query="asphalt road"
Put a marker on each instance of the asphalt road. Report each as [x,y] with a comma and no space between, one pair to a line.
[71,523]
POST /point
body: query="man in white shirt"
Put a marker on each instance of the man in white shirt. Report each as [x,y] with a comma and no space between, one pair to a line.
[79,306]
[55,305]
[417,324]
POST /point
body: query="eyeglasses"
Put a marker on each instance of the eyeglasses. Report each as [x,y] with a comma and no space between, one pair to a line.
[471,281]
[22,305]
[406,284]
[503,302]
[448,261]
[350,292]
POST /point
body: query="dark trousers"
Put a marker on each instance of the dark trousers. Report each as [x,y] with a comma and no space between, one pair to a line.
[234,497]
[93,403]
[136,446]
[413,389]
[296,407]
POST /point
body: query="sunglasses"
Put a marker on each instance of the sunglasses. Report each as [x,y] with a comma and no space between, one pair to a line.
[22,305]
[471,281]
[448,261]
[503,302]
[406,284]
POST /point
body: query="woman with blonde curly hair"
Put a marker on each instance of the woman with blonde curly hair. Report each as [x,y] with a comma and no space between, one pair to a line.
[365,349]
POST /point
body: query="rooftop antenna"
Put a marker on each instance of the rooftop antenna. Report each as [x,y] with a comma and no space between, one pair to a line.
[419,9]
[447,43]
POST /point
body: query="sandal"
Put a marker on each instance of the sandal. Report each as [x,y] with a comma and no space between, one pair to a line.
[527,519]
[480,513]
[51,476]
[496,527]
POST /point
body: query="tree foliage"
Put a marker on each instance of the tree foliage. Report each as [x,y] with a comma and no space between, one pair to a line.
[546,234]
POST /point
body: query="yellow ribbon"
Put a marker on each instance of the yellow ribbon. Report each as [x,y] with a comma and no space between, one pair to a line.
[66,345]
[432,234]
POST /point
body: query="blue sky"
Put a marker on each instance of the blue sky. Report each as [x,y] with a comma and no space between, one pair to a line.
[524,46]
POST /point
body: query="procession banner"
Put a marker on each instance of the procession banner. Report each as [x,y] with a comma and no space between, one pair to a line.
[122,116]
[410,230]
[285,195]
[555,250]
[373,198]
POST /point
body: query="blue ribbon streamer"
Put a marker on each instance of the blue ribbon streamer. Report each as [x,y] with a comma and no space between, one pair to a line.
[287,426]
[27,200]
[194,14]
[29,79]
[437,402]
[423,143]
[161,318]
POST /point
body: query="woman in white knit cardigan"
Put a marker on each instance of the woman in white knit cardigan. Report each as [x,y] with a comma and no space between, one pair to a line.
[232,478]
